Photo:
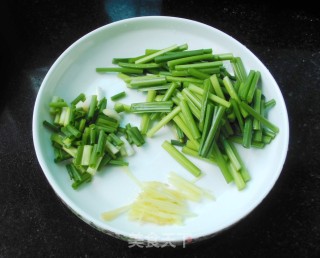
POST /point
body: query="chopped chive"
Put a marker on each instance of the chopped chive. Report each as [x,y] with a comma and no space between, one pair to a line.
[192,97]
[198,74]
[87,149]
[86,177]
[239,69]
[74,131]
[148,107]
[115,139]
[57,138]
[204,151]
[145,121]
[177,143]
[269,104]
[139,66]
[177,55]
[207,123]
[204,103]
[233,94]
[50,126]
[189,60]
[147,82]
[180,158]
[185,129]
[86,136]
[240,183]
[119,70]
[199,65]
[111,149]
[194,109]
[257,136]
[216,86]
[239,139]
[70,150]
[78,159]
[118,162]
[189,118]
[150,57]
[224,56]
[247,133]
[136,136]
[257,108]
[231,155]
[269,133]
[156,87]
[164,121]
[222,164]
[260,118]
[244,172]
[193,145]
[93,134]
[92,107]
[194,153]
[105,160]
[237,113]
[266,139]
[212,97]
[82,125]
[166,97]
[101,143]
[179,133]
[245,86]
[120,107]
[253,86]
[94,156]
[58,104]
[118,96]
[80,97]
[183,79]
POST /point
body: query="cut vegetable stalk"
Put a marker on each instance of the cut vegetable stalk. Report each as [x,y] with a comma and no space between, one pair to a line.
[260,118]
[118,96]
[150,57]
[164,121]
[204,151]
[189,118]
[151,107]
[179,157]
[145,120]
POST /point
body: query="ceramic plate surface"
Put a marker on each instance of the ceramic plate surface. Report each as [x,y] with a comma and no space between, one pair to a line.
[74,72]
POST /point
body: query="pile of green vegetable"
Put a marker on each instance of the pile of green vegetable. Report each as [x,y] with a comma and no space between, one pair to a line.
[210,109]
[89,138]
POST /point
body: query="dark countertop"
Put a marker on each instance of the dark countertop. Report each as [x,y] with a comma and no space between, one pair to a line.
[33,221]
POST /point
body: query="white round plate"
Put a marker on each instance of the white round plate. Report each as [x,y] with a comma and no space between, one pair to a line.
[74,72]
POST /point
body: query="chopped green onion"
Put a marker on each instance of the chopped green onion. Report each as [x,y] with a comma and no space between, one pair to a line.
[204,151]
[150,57]
[260,118]
[247,133]
[118,96]
[147,107]
[179,157]
[164,121]
[189,60]
[50,126]
[80,97]
[199,65]
[119,70]
[189,118]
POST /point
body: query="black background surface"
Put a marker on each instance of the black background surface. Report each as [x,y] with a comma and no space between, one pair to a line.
[33,221]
